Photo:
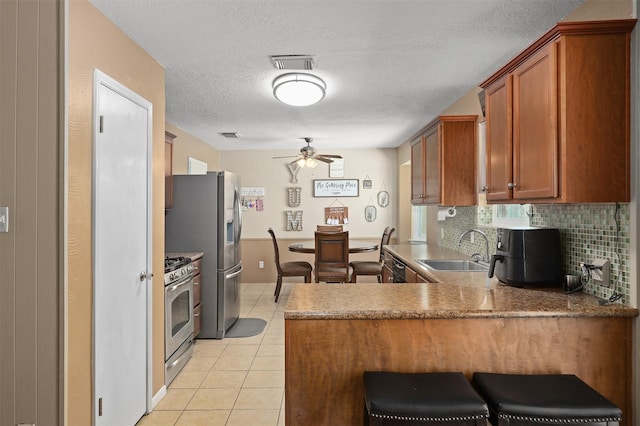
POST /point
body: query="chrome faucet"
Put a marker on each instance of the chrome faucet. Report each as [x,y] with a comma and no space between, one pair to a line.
[486,242]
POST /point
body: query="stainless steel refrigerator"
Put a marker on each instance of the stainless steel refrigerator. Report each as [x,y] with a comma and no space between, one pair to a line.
[206,217]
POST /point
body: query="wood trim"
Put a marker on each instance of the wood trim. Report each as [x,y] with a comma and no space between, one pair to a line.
[563,28]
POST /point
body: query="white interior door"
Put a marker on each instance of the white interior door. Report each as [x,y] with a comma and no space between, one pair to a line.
[121,253]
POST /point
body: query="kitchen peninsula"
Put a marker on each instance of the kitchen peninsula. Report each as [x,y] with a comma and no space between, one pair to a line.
[461,322]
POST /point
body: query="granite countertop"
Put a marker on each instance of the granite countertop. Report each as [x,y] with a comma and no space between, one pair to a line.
[452,295]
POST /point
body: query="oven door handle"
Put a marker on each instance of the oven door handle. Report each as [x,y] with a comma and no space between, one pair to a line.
[182,282]
[174,363]
[226,277]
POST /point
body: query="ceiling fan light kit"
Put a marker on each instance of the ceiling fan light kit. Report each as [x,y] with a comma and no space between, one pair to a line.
[308,157]
[299,89]
[309,162]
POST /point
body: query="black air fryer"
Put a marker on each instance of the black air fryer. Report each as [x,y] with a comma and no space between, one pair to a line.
[528,257]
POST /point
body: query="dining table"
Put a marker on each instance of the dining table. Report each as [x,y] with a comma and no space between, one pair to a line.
[355,246]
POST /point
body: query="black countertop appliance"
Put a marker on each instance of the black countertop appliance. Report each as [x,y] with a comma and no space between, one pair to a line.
[528,257]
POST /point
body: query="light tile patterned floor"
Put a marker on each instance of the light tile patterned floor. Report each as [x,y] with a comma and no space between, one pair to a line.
[232,382]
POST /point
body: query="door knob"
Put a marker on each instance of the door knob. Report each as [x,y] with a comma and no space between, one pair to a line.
[145,276]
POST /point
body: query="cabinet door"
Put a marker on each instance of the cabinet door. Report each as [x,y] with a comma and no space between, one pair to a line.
[417,171]
[197,320]
[457,144]
[197,289]
[410,276]
[168,169]
[432,166]
[498,132]
[535,141]
[387,275]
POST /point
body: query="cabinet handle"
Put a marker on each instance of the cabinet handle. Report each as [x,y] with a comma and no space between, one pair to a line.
[484,188]
[511,185]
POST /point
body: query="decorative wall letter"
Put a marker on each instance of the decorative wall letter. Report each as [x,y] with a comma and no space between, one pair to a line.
[293,196]
[294,220]
[294,168]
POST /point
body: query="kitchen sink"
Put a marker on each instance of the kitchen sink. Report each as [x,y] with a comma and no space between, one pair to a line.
[454,265]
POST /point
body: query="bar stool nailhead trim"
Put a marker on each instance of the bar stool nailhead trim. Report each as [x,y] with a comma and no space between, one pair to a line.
[426,419]
[553,420]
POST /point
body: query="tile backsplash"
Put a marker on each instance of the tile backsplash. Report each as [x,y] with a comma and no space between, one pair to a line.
[587,232]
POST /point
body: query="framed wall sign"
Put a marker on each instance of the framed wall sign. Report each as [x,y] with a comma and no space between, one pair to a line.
[335,187]
[383,198]
[370,213]
[336,168]
[367,183]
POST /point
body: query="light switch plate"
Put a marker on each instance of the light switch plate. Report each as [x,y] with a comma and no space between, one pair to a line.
[4,219]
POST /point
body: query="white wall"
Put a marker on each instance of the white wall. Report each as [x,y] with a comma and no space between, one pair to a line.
[258,169]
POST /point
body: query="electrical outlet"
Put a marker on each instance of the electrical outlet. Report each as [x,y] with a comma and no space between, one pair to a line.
[261,264]
[442,233]
[601,275]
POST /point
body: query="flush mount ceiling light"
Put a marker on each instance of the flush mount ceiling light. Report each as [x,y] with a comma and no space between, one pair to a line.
[299,89]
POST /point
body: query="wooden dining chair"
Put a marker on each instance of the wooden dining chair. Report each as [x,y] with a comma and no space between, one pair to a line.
[329,228]
[370,267]
[332,257]
[288,269]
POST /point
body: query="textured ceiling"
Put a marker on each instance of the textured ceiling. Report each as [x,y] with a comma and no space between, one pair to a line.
[390,66]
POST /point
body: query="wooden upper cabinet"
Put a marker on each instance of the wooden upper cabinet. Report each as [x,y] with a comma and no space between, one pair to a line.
[443,162]
[558,118]
[521,123]
[458,141]
[168,169]
[535,143]
[432,165]
[418,182]
[498,125]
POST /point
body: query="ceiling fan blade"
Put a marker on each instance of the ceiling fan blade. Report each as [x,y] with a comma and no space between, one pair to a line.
[329,156]
[286,156]
[323,159]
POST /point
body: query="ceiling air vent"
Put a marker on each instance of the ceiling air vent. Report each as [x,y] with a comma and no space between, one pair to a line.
[231,135]
[292,62]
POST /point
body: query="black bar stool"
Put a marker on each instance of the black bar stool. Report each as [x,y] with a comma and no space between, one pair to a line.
[549,399]
[421,398]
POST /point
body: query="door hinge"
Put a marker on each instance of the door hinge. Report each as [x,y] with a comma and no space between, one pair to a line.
[99,407]
[101,123]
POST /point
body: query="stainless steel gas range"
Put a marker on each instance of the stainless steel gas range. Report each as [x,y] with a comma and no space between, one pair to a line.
[179,319]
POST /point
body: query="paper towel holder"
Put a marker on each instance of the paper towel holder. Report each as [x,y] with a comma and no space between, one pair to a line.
[445,212]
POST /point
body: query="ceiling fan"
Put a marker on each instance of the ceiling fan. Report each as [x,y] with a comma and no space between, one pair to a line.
[308,156]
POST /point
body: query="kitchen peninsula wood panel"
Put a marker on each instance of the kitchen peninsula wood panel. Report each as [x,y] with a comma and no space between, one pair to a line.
[558,117]
[335,333]
[325,358]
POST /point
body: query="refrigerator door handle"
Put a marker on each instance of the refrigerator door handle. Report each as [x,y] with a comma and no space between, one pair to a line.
[236,197]
[233,274]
